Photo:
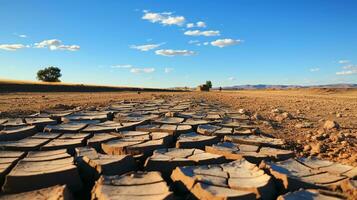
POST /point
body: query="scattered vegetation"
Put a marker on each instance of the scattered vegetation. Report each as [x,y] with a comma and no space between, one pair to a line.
[205,87]
[49,74]
[209,84]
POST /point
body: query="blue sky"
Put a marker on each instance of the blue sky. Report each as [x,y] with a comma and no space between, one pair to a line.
[181,43]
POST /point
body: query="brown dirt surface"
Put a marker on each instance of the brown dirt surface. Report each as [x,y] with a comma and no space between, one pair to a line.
[7,86]
[300,122]
[15,104]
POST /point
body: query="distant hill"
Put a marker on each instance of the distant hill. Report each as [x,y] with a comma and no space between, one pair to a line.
[263,86]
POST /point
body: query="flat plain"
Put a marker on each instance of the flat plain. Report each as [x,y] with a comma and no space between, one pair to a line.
[277,141]
[306,107]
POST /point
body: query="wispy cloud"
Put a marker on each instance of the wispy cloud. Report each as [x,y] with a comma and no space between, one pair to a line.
[315,69]
[193,41]
[171,52]
[121,66]
[142,70]
[165,18]
[349,66]
[202,33]
[66,47]
[134,69]
[20,35]
[199,24]
[347,72]
[12,47]
[225,42]
[349,69]
[145,47]
[55,44]
[168,70]
[231,78]
[343,61]
[197,43]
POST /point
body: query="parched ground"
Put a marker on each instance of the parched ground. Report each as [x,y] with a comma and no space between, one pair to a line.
[14,104]
[296,115]
[303,107]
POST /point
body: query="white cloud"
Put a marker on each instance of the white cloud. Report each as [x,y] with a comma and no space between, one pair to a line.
[225,42]
[201,24]
[133,69]
[315,69]
[190,25]
[166,13]
[20,35]
[177,20]
[171,52]
[168,69]
[343,61]
[48,43]
[349,66]
[142,70]
[121,66]
[206,43]
[12,47]
[145,47]
[55,44]
[348,70]
[193,41]
[65,47]
[153,17]
[232,78]
[202,33]
[165,18]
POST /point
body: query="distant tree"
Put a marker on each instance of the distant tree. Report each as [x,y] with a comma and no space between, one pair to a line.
[220,89]
[209,84]
[49,74]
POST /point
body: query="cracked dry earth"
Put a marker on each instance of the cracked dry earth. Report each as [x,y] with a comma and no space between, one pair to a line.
[177,146]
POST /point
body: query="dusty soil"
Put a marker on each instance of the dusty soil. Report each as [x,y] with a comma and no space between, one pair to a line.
[297,116]
[7,86]
[312,107]
[14,104]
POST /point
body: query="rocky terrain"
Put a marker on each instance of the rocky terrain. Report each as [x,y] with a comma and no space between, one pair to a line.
[294,144]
